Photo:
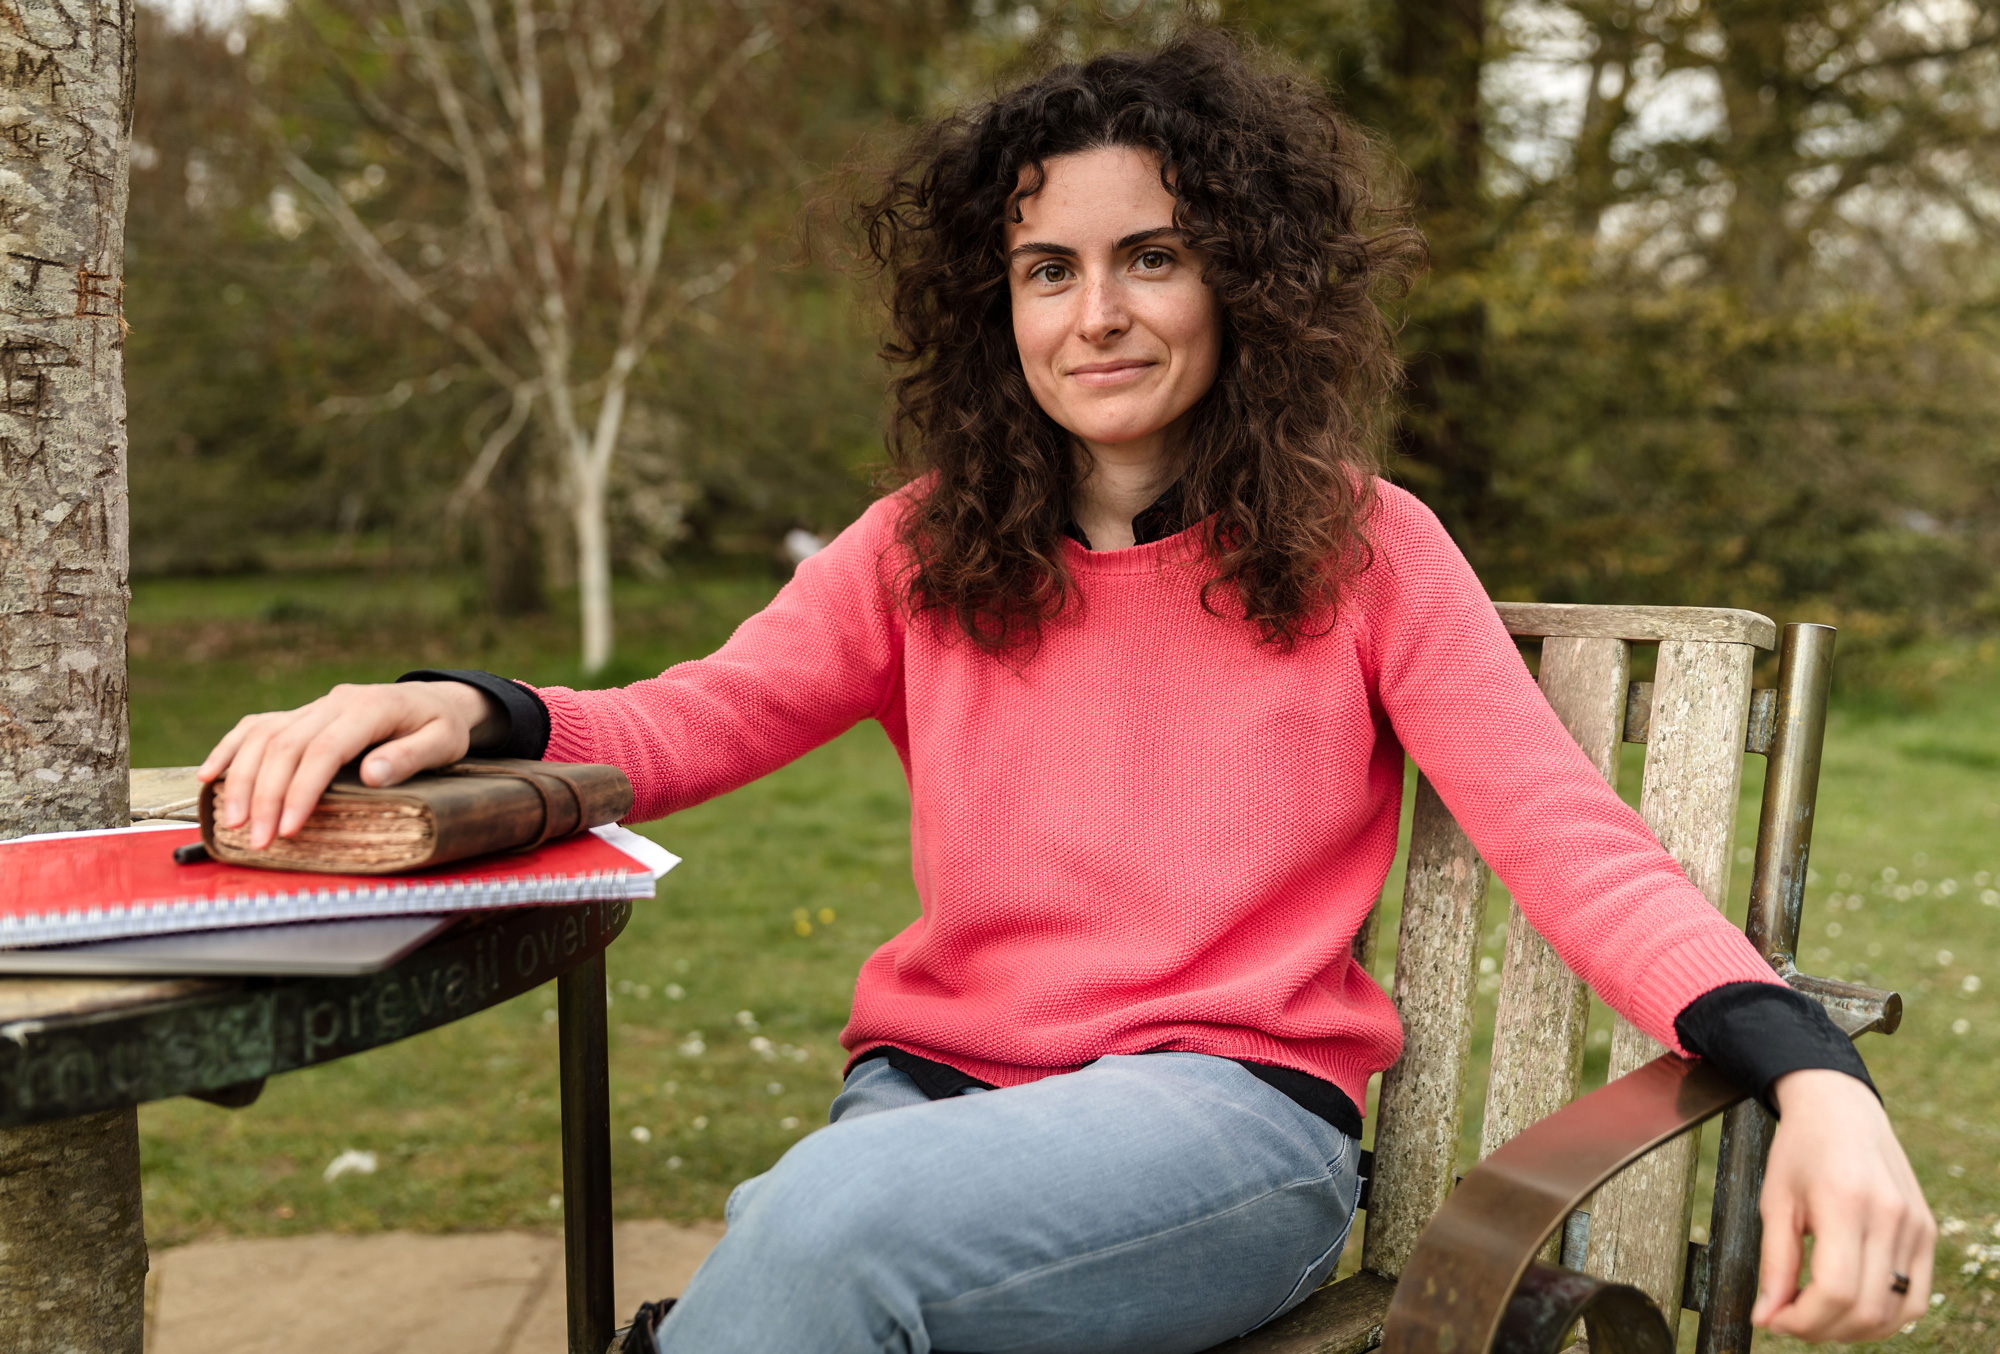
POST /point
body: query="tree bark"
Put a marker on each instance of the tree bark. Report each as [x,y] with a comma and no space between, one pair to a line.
[63,749]
[72,1247]
[589,484]
[72,1242]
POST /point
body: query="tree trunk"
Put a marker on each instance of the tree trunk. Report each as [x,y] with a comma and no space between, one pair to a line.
[1767,105]
[1437,50]
[510,545]
[72,1249]
[593,558]
[1604,116]
[72,1242]
[63,754]
[591,462]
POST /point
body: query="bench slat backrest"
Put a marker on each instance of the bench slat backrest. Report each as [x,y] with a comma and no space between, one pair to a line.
[1423,1095]
[1539,1028]
[1695,736]
[1694,773]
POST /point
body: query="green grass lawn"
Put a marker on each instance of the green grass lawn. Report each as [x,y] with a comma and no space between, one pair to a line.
[731,987]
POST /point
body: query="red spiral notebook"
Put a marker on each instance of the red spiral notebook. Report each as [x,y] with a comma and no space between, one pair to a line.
[66,887]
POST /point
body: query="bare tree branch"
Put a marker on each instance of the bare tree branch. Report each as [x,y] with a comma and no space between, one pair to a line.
[521,404]
[372,107]
[1904,60]
[395,397]
[383,268]
[486,215]
[496,61]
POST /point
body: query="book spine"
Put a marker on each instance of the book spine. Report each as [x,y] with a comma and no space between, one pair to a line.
[387,899]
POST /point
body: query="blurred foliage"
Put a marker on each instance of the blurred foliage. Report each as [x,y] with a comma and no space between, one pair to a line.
[1709,321]
[1831,463]
[240,337]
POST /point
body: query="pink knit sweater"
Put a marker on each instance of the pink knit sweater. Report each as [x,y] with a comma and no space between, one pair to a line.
[1157,832]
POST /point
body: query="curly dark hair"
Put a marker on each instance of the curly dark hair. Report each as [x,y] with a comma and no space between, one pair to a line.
[1277,191]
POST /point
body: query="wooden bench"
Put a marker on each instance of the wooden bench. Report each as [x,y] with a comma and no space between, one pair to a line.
[1512,1257]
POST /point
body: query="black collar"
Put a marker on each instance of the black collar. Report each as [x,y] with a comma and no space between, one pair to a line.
[1165,516]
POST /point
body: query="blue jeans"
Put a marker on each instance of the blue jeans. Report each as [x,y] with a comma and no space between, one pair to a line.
[1157,1203]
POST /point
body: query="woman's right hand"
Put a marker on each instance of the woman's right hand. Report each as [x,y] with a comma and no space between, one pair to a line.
[280,763]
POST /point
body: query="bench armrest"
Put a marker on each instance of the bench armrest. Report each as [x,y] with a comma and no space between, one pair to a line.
[1470,1261]
[1459,1281]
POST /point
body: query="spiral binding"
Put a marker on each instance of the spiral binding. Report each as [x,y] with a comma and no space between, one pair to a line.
[390,898]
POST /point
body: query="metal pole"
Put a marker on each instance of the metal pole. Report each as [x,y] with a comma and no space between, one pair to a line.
[1791,790]
[1777,897]
[586,1143]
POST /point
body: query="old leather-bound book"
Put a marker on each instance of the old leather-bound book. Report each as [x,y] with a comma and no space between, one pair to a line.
[466,809]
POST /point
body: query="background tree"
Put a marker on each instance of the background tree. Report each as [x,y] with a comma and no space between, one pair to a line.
[567,132]
[1746,355]
[1706,318]
[329,414]
[1816,146]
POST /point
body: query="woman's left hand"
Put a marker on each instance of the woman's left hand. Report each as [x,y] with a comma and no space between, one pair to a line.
[1837,1172]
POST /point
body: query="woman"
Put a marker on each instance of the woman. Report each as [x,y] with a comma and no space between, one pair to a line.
[1152,642]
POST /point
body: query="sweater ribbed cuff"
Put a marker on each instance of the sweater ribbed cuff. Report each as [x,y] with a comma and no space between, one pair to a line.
[527,733]
[1680,973]
[1755,1033]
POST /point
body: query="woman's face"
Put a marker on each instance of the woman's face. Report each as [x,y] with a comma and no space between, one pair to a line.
[1117,332]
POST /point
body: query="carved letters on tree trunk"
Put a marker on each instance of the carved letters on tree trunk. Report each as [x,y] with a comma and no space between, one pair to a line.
[65,127]
[72,1248]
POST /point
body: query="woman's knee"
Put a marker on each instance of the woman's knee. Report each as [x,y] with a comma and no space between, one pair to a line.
[812,1259]
[823,1204]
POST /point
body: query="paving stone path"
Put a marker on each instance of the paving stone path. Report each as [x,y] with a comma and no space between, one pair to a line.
[396,1292]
